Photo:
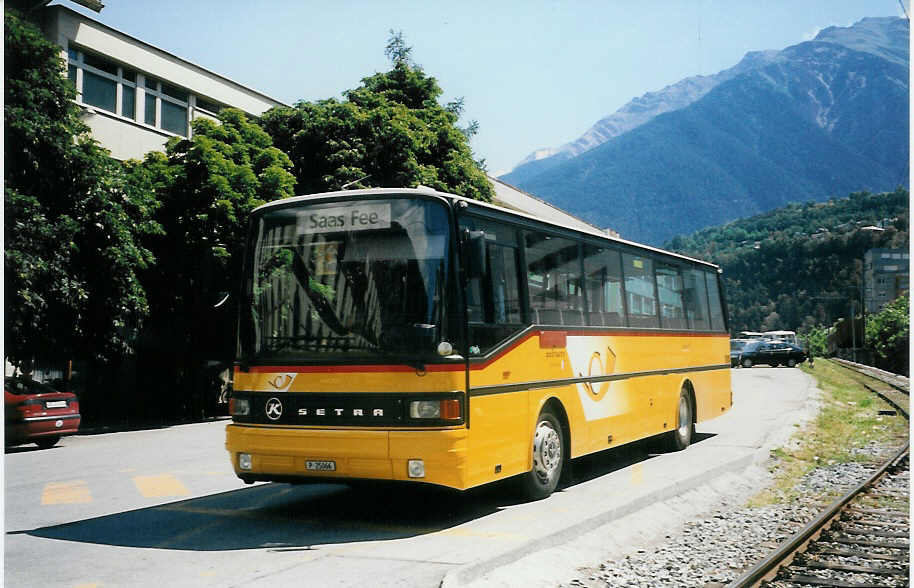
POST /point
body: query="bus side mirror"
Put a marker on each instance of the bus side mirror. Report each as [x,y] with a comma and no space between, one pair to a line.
[475,249]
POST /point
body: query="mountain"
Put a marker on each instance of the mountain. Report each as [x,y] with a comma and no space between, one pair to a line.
[824,117]
[634,114]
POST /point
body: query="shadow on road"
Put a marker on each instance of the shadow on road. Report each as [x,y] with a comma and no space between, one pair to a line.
[291,517]
[599,464]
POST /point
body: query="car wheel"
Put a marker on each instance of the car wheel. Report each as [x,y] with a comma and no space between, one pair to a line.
[548,457]
[681,437]
[791,363]
[47,442]
[747,363]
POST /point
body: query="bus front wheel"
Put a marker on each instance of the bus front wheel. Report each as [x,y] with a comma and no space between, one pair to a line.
[548,457]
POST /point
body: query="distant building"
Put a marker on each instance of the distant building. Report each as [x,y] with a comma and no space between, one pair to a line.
[886,275]
[136,96]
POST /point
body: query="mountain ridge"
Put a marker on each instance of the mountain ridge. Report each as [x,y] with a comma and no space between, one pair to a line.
[819,118]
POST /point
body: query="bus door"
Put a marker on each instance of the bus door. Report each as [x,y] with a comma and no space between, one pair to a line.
[498,407]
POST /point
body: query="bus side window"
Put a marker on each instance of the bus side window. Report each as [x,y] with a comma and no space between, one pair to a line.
[603,282]
[640,291]
[695,296]
[503,279]
[554,280]
[670,293]
[717,310]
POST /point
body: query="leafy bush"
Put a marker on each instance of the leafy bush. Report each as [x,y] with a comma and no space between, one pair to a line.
[887,334]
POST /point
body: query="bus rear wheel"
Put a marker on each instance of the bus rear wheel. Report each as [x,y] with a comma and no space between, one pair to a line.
[548,457]
[681,436]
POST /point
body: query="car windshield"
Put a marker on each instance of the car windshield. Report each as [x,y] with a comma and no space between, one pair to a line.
[24,386]
[347,279]
[737,345]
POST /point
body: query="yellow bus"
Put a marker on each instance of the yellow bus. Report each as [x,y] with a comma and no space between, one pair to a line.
[414,335]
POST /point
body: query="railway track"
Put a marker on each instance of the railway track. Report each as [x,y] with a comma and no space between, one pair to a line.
[862,539]
[900,383]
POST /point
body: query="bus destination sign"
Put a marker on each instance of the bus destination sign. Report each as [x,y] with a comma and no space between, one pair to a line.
[362,217]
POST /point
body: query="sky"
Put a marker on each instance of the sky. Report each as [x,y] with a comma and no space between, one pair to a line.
[532,73]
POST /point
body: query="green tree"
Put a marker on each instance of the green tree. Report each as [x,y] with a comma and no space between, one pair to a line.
[389,132]
[207,187]
[72,221]
[816,339]
[888,335]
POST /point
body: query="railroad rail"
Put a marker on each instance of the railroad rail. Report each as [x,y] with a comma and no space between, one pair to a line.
[891,388]
[861,540]
[900,383]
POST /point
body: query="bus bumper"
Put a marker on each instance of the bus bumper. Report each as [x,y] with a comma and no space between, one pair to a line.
[283,454]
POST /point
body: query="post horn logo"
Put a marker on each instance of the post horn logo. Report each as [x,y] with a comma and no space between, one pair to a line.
[596,368]
[281,381]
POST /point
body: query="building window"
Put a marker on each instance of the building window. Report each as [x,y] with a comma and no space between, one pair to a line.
[208,106]
[150,111]
[99,91]
[174,118]
[128,102]
[99,81]
[112,87]
[171,102]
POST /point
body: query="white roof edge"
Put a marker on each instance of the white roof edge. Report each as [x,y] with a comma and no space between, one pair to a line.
[429,191]
[168,53]
[539,200]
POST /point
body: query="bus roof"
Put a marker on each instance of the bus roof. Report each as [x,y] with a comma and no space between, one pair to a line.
[425,191]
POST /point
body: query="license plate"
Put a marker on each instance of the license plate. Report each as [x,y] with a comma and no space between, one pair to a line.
[321,466]
[56,404]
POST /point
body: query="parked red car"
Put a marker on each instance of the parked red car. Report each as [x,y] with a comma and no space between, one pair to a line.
[37,413]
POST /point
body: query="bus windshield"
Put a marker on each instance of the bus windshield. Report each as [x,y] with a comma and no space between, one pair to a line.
[346,280]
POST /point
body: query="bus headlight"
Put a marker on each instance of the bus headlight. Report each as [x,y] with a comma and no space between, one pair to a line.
[448,410]
[240,406]
[415,468]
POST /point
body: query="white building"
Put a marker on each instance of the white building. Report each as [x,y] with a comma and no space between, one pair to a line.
[137,96]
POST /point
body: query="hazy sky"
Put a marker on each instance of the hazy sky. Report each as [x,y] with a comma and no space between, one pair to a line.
[533,73]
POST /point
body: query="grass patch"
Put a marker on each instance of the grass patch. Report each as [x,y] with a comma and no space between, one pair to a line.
[848,420]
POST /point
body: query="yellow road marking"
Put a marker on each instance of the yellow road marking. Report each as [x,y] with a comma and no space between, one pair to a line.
[160,486]
[74,492]
[637,475]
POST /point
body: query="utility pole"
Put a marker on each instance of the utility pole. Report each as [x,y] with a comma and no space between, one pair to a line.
[853,332]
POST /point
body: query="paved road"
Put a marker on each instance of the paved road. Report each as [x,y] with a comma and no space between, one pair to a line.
[162,508]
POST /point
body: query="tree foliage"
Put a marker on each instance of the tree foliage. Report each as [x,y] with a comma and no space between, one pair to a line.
[888,335]
[389,132]
[207,186]
[72,221]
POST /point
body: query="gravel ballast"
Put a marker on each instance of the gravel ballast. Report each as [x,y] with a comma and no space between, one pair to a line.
[721,545]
